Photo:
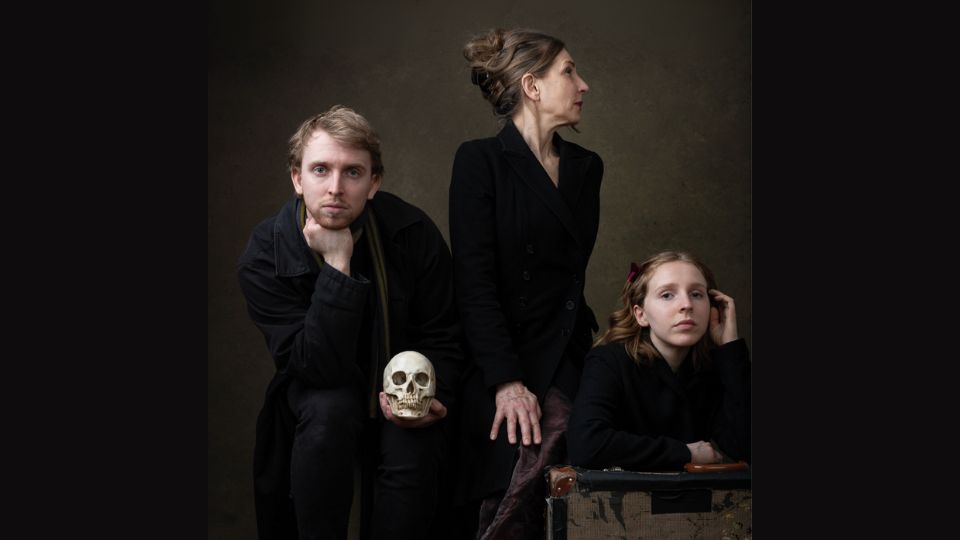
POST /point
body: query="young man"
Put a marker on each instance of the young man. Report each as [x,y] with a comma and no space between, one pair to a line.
[341,279]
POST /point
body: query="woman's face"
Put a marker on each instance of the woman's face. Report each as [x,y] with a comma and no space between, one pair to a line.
[561,91]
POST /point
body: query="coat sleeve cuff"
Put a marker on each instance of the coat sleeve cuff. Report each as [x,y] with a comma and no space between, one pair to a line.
[340,290]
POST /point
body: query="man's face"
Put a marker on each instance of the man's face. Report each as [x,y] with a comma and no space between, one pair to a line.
[335,181]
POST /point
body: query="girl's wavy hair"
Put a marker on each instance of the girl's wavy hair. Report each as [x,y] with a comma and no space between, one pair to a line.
[623,326]
[499,59]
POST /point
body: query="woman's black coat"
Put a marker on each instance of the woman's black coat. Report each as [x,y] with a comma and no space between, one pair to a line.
[520,248]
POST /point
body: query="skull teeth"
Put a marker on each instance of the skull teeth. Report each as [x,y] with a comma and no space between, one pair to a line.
[408,404]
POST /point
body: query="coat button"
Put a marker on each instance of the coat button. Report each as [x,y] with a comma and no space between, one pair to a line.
[526,275]
[523,301]
[570,305]
[530,249]
[565,332]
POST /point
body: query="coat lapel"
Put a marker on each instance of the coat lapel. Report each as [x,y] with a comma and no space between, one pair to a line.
[573,171]
[667,376]
[525,164]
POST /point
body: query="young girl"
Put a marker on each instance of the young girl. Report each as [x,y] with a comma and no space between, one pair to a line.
[669,382]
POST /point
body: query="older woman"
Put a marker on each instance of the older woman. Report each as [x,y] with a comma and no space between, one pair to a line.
[524,213]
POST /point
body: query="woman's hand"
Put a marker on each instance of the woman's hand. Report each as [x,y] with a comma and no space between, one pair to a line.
[517,405]
[723,321]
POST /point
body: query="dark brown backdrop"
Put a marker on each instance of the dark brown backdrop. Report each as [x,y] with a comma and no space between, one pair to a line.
[668,110]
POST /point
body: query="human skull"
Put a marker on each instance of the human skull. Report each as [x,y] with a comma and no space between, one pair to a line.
[410,384]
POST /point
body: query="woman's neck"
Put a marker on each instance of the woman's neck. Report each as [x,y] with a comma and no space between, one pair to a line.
[538,136]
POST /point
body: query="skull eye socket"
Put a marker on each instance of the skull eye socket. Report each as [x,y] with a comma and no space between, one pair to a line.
[422,379]
[399,377]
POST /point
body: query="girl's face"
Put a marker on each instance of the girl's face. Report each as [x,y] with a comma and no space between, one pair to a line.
[676,307]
